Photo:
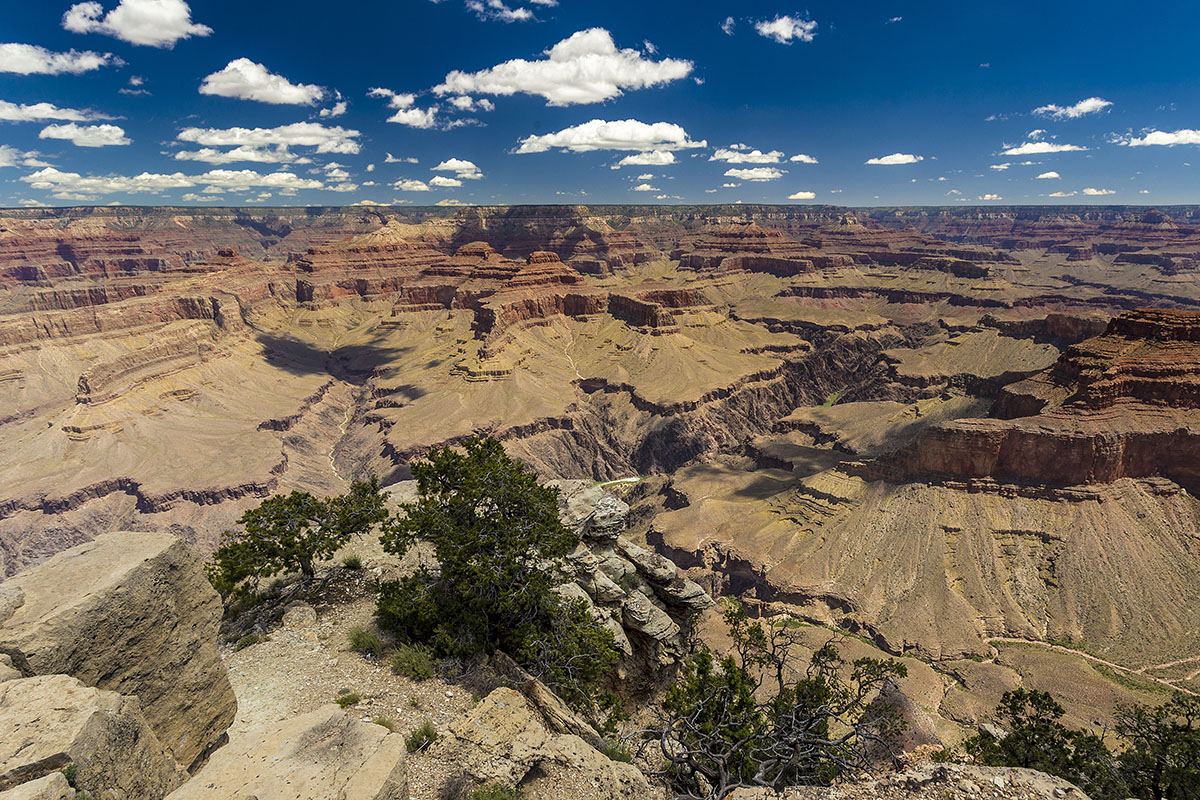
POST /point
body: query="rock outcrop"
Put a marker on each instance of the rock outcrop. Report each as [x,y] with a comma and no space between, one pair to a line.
[323,755]
[504,740]
[131,613]
[53,722]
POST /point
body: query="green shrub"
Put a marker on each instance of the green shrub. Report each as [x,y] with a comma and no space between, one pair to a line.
[365,642]
[616,751]
[348,699]
[352,561]
[497,791]
[385,722]
[248,641]
[413,662]
[420,737]
[71,773]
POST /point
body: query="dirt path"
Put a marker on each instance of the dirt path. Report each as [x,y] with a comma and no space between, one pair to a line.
[1063,649]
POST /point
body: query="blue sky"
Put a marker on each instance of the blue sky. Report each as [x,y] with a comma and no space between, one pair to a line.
[299,102]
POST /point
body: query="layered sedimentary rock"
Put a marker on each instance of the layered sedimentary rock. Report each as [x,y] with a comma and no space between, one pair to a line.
[131,613]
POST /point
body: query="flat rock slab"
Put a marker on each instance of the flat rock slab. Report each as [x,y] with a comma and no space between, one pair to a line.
[132,613]
[52,787]
[54,721]
[323,755]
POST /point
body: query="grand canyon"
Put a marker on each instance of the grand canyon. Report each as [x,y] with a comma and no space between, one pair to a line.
[968,437]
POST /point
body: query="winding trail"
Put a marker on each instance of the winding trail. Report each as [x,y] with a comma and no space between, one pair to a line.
[1142,672]
[342,435]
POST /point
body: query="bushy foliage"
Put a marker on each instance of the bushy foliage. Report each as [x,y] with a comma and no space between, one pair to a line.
[413,662]
[347,699]
[497,791]
[290,533]
[365,642]
[722,730]
[421,737]
[497,536]
[1158,757]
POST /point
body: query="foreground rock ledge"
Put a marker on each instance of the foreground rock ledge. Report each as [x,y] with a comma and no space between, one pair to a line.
[323,755]
[134,614]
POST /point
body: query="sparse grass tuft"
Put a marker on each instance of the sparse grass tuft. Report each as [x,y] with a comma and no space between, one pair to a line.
[497,791]
[616,751]
[385,722]
[365,642]
[413,662]
[348,699]
[352,561]
[248,641]
[421,737]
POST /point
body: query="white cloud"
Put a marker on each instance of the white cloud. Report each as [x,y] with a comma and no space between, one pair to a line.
[756,174]
[730,185]
[626,134]
[645,176]
[1048,176]
[645,187]
[803,196]
[1092,105]
[156,23]
[411,185]
[895,159]
[1164,138]
[1035,148]
[498,10]
[1000,167]
[740,155]
[894,20]
[650,158]
[38,112]
[1063,194]
[801,158]
[248,80]
[29,59]
[728,25]
[585,68]
[953,192]
[86,135]
[391,159]
[1036,133]
[462,169]
[1098,192]
[338,109]
[449,202]
[442,182]
[988,197]
[12,157]
[298,134]
[785,29]
[406,112]
[466,103]
[261,155]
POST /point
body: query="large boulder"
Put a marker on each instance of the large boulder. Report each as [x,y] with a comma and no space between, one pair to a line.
[51,787]
[323,755]
[132,613]
[54,722]
[506,740]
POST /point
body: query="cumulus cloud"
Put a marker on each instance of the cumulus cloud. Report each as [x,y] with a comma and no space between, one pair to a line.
[154,23]
[803,196]
[989,197]
[406,111]
[1036,148]
[299,134]
[786,30]
[391,159]
[802,158]
[650,158]
[1098,192]
[1063,194]
[86,135]
[29,59]
[411,185]
[210,155]
[466,103]
[462,169]
[584,68]
[645,187]
[442,182]
[756,174]
[741,154]
[1092,105]
[1048,176]
[1000,167]
[498,10]
[249,80]
[645,176]
[728,25]
[12,157]
[39,112]
[449,202]
[895,159]
[1163,138]
[625,134]
[337,110]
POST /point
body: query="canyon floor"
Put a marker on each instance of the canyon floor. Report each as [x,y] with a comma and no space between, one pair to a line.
[968,438]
